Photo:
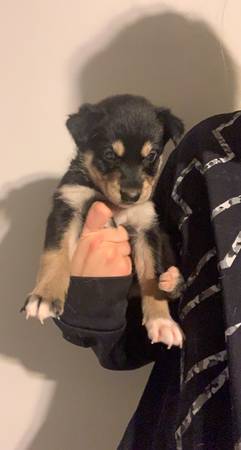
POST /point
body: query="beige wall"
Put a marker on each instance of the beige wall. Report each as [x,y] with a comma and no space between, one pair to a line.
[55,54]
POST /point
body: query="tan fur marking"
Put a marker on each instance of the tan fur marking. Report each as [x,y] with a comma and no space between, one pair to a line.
[146,189]
[54,272]
[159,325]
[144,263]
[96,176]
[169,280]
[118,148]
[159,169]
[72,236]
[110,186]
[53,275]
[150,183]
[146,149]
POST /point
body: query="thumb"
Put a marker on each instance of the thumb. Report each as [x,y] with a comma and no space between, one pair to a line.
[97,217]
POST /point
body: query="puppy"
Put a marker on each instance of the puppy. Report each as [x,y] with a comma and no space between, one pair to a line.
[119,142]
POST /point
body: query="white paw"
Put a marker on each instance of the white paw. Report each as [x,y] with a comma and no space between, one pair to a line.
[164,330]
[36,306]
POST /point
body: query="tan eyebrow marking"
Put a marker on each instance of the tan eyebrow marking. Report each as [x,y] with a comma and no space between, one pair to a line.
[118,148]
[146,149]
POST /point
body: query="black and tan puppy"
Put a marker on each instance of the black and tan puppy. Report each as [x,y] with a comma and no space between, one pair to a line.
[119,156]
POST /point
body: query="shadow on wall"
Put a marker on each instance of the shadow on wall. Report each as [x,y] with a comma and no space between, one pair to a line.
[83,388]
[174,62]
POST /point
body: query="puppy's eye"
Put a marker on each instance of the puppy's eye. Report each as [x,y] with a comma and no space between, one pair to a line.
[109,154]
[151,156]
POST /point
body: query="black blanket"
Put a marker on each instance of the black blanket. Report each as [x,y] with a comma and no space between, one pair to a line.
[199,195]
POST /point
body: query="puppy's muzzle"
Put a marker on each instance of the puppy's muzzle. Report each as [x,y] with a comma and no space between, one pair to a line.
[130,195]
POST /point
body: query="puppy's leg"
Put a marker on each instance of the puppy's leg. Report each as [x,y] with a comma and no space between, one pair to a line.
[63,229]
[48,296]
[170,281]
[156,316]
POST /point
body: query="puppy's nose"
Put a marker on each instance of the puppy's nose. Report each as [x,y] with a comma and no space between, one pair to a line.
[130,195]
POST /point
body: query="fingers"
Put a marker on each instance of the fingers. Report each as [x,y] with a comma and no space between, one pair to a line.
[117,248]
[101,251]
[118,234]
[125,267]
[97,217]
[124,249]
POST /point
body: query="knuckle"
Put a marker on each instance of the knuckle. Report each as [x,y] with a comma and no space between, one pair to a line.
[125,266]
[122,233]
[124,248]
[95,243]
[110,254]
[128,247]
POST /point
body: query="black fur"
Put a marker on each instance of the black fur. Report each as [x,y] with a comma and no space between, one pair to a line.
[131,119]
[164,258]
[134,121]
[57,223]
[119,144]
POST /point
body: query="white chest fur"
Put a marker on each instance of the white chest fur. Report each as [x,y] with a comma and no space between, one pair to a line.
[141,217]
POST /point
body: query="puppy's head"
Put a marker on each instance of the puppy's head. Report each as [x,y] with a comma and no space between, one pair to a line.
[121,140]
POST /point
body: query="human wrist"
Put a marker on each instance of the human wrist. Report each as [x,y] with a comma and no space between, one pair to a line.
[98,302]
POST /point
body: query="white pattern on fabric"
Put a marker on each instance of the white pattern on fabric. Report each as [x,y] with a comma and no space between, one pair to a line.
[205,363]
[220,156]
[226,205]
[198,299]
[223,143]
[202,168]
[237,446]
[231,330]
[205,258]
[179,200]
[232,254]
[210,390]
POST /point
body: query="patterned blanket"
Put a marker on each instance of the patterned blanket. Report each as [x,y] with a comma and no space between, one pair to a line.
[199,200]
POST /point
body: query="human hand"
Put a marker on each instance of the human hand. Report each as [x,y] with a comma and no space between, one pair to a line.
[101,252]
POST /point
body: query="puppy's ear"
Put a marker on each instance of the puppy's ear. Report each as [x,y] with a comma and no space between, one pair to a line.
[82,124]
[173,127]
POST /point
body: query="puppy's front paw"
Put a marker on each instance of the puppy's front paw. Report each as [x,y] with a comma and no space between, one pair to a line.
[171,282]
[42,308]
[164,330]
